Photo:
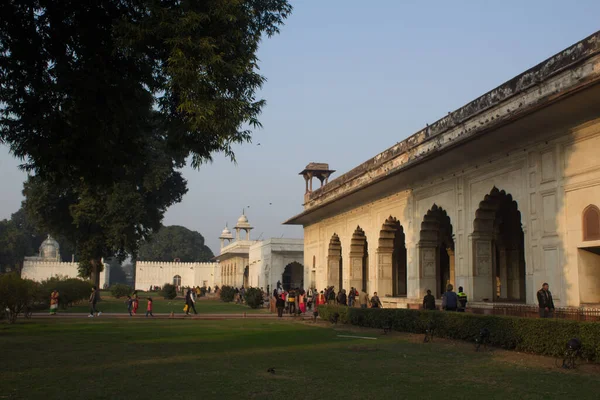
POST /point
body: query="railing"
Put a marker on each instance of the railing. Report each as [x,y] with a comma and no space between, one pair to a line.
[572,313]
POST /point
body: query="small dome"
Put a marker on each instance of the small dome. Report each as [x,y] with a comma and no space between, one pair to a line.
[226,234]
[50,249]
[242,222]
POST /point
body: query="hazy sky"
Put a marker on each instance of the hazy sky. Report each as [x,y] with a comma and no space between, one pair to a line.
[346,80]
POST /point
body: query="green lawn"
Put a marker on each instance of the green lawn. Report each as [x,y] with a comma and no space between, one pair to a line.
[109,304]
[184,359]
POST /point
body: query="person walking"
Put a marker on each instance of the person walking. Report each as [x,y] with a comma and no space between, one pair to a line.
[149,308]
[129,302]
[375,302]
[449,299]
[363,299]
[136,302]
[462,300]
[545,302]
[93,300]
[429,301]
[54,302]
[189,301]
[331,296]
[280,305]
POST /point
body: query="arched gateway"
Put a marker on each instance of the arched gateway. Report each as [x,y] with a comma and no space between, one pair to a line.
[359,260]
[498,249]
[391,254]
[335,264]
[436,251]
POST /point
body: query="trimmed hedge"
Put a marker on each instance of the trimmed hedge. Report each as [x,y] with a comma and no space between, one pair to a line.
[540,336]
[227,293]
[119,290]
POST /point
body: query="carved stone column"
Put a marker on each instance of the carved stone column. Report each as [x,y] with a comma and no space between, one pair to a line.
[483,276]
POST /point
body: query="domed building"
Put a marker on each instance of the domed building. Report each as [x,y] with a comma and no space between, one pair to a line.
[49,250]
[48,264]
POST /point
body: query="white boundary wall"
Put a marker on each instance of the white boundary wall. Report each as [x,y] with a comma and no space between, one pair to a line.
[157,273]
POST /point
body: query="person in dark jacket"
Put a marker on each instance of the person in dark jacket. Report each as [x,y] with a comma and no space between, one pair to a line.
[189,300]
[351,297]
[449,299]
[331,296]
[546,304]
[462,299]
[94,296]
[429,301]
[280,304]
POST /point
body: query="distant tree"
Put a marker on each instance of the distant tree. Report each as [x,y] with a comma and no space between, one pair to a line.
[106,100]
[117,273]
[171,242]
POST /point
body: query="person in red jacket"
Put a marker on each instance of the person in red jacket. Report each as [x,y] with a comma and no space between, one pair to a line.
[149,308]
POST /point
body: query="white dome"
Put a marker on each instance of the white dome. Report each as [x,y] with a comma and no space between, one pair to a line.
[226,234]
[50,249]
[242,219]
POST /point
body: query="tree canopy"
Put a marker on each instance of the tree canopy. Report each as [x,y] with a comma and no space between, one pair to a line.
[105,101]
[175,242]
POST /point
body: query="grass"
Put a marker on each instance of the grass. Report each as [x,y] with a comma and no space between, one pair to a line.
[115,358]
[109,304]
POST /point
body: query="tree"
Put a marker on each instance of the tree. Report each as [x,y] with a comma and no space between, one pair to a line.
[175,242]
[106,100]
[16,294]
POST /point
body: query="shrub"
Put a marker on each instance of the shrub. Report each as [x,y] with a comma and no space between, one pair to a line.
[254,297]
[15,295]
[227,294]
[540,336]
[168,291]
[70,290]
[120,290]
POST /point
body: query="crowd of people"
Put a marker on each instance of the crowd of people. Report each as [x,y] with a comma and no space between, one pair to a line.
[300,301]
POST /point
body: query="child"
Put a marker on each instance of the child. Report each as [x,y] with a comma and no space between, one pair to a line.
[149,309]
[129,302]
[136,302]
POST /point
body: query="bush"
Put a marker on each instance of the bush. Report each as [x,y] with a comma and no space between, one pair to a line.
[168,291]
[70,290]
[120,290]
[16,295]
[540,336]
[227,294]
[254,297]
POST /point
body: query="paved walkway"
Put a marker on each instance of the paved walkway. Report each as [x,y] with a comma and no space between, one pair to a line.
[168,316]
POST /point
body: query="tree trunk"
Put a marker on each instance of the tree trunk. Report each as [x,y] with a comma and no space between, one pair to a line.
[95,276]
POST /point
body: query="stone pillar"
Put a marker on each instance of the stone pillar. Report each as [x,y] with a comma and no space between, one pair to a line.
[384,272]
[483,277]
[333,271]
[452,267]
[428,266]
[513,281]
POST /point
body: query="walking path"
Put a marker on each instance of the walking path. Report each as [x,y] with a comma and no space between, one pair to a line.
[168,316]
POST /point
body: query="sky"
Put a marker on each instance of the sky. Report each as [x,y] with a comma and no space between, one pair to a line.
[346,80]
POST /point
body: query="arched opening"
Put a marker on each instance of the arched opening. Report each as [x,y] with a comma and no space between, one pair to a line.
[359,260]
[293,276]
[499,249]
[591,223]
[393,277]
[335,265]
[246,276]
[177,280]
[436,251]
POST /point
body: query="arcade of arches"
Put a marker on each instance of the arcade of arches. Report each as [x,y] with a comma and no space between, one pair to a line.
[498,240]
